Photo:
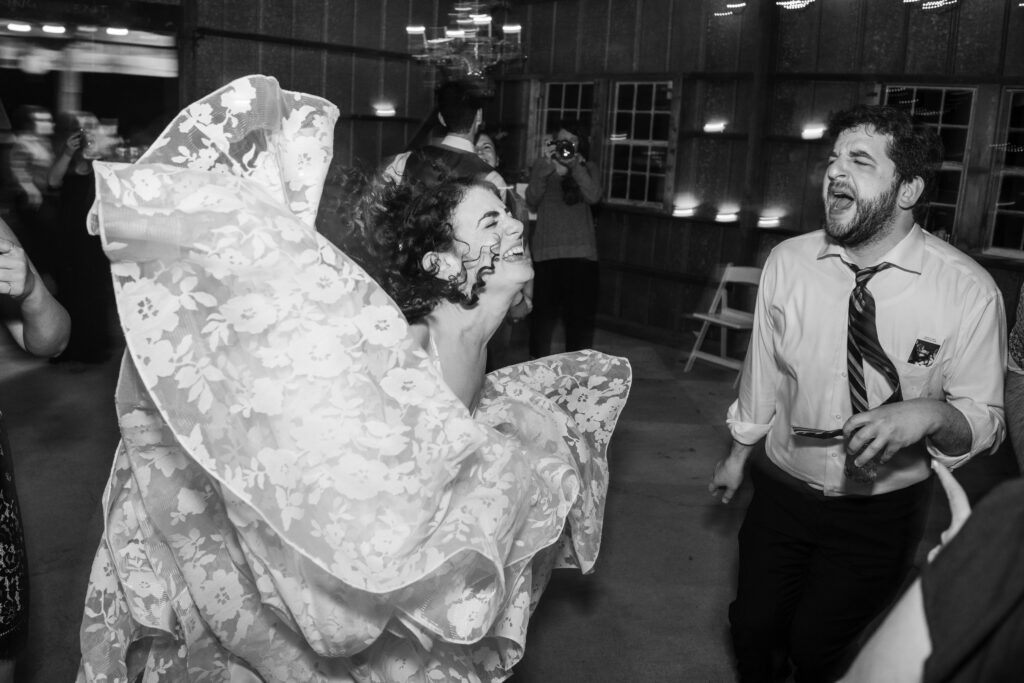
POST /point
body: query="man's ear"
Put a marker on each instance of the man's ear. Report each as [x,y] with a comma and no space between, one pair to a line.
[910,191]
[440,119]
[444,265]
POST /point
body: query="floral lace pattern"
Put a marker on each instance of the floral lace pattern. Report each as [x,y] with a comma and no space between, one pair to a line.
[297,493]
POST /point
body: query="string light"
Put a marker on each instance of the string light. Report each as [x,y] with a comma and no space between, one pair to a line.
[794,4]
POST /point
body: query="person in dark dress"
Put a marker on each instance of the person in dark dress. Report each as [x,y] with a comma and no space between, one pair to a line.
[40,326]
[84,286]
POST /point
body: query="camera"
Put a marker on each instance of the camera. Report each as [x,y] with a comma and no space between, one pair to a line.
[564,149]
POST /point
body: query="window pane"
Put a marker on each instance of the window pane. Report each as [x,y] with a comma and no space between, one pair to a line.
[928,105]
[639,159]
[1017,111]
[662,124]
[947,187]
[1015,149]
[624,124]
[620,157]
[637,188]
[572,96]
[954,142]
[656,188]
[645,97]
[1009,231]
[585,119]
[663,97]
[625,100]
[1011,193]
[642,127]
[555,96]
[620,182]
[957,111]
[657,159]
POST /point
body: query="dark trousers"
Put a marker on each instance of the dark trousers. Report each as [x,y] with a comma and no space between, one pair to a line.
[563,290]
[815,571]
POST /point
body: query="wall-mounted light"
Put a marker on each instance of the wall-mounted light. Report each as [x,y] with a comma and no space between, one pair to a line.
[727,215]
[617,137]
[814,131]
[684,211]
[384,110]
[765,221]
[685,205]
[18,27]
[53,28]
[715,127]
[115,31]
[87,29]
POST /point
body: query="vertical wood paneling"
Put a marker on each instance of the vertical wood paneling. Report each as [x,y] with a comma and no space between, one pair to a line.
[539,37]
[722,42]
[840,40]
[241,57]
[655,38]
[591,35]
[620,55]
[928,41]
[308,23]
[209,67]
[307,71]
[210,13]
[565,47]
[687,34]
[1013,59]
[241,15]
[979,38]
[798,39]
[882,48]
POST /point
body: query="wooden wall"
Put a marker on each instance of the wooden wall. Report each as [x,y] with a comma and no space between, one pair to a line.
[353,52]
[768,71]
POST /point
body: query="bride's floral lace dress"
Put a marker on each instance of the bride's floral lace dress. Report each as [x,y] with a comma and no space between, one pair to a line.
[297,496]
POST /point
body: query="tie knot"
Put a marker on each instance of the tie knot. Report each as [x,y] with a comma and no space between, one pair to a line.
[865,274]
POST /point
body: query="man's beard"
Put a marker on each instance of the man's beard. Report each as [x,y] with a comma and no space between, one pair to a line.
[869,222]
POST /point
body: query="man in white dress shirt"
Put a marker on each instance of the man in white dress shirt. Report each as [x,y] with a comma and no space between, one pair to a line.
[460,111]
[826,543]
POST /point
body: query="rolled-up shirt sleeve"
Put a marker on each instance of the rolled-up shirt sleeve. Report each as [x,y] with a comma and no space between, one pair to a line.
[974,381]
[751,415]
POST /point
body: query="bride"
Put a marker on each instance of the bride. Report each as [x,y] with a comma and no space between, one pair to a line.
[316,481]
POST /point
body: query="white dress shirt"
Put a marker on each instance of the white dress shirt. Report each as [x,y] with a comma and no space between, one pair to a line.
[940,319]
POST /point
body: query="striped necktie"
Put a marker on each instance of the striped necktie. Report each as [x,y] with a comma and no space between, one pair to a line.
[862,345]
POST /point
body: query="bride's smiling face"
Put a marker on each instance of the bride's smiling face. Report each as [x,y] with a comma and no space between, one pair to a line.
[486,234]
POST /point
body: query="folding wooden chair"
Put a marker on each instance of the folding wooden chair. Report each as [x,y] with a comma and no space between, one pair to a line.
[725,317]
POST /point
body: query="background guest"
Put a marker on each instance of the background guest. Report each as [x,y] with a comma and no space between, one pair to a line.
[563,186]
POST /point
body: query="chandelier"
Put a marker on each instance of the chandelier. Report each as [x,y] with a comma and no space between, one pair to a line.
[470,47]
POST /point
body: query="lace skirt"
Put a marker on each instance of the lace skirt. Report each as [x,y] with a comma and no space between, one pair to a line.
[13,568]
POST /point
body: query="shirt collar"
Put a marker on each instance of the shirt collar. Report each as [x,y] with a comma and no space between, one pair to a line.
[458,142]
[907,255]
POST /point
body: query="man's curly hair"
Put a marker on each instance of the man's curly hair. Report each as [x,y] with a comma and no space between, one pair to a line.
[391,226]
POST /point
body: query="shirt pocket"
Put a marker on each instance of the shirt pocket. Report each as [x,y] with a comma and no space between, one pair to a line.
[920,381]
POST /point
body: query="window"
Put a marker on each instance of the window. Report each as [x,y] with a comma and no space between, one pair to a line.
[948,111]
[569,101]
[641,119]
[634,128]
[1007,194]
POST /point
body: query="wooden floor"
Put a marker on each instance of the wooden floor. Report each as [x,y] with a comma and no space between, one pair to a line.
[654,610]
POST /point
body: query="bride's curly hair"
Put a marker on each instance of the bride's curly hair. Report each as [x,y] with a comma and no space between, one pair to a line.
[387,228]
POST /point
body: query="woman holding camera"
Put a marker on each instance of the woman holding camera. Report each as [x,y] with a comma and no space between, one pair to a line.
[563,185]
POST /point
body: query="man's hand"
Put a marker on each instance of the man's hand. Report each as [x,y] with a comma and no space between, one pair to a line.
[16,278]
[728,473]
[880,433]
